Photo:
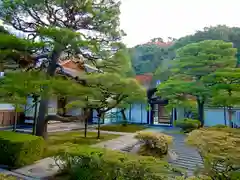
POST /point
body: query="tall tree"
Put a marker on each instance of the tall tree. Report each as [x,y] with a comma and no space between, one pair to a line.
[111,88]
[219,32]
[98,22]
[192,64]
[225,89]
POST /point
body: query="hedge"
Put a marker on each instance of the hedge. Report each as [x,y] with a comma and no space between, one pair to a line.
[17,149]
[7,177]
[187,125]
[94,163]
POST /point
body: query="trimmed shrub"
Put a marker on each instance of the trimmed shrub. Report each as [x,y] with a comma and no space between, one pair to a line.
[220,126]
[187,125]
[88,163]
[154,144]
[220,149]
[7,177]
[194,178]
[17,149]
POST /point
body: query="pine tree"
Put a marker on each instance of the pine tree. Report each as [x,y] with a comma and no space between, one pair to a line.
[191,66]
[57,23]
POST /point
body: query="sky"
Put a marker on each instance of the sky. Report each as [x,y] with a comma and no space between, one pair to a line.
[143,20]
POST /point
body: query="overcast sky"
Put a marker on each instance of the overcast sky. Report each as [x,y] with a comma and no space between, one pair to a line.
[146,19]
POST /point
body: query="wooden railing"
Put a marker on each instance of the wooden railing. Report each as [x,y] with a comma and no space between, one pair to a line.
[7,117]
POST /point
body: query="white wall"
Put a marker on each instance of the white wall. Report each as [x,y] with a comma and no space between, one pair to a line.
[6,107]
[215,116]
[138,113]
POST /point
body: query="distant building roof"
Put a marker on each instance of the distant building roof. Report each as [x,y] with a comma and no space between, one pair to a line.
[162,44]
[144,78]
[70,64]
[77,65]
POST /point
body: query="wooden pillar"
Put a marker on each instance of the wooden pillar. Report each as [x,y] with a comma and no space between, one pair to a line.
[175,113]
[148,114]
[90,120]
[151,115]
[130,113]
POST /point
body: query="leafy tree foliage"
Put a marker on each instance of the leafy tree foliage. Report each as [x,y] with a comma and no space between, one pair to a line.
[192,64]
[220,32]
[147,57]
[225,89]
[57,23]
[109,90]
[16,52]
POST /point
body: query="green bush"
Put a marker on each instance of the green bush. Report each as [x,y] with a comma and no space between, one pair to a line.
[154,144]
[18,149]
[88,163]
[202,177]
[131,128]
[187,125]
[219,126]
[220,149]
[7,177]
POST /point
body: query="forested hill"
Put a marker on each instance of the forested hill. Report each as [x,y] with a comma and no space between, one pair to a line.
[147,58]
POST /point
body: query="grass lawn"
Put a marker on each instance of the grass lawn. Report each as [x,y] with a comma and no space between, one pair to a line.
[62,140]
[131,128]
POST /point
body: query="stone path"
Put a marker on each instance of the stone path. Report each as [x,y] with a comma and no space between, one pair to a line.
[119,143]
[42,169]
[16,175]
[187,157]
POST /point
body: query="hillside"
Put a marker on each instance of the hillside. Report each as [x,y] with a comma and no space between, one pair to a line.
[155,55]
[147,57]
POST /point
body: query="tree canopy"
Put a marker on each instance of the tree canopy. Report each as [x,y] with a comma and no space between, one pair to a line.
[144,60]
[147,57]
[193,63]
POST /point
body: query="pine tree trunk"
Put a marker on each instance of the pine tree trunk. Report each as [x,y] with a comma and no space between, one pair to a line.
[45,133]
[230,116]
[86,117]
[225,116]
[41,117]
[124,117]
[99,123]
[35,115]
[44,101]
[200,111]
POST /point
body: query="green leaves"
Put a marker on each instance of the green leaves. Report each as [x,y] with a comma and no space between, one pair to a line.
[16,86]
[14,50]
[146,58]
[205,57]
[225,86]
[91,26]
[195,72]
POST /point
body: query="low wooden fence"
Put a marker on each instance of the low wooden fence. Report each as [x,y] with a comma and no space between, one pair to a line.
[7,117]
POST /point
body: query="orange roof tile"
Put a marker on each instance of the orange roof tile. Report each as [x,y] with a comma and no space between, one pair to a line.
[144,78]
[72,65]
